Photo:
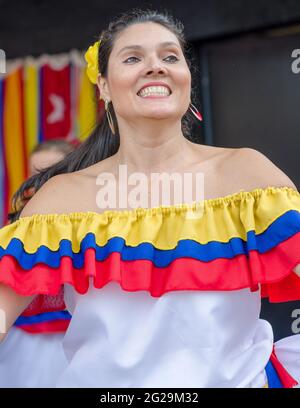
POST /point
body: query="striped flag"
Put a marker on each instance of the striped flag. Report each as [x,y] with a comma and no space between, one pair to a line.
[56,102]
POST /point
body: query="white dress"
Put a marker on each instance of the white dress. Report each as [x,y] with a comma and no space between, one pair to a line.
[32,354]
[31,360]
[182,339]
[167,296]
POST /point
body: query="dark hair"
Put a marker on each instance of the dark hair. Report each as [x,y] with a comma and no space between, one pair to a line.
[102,144]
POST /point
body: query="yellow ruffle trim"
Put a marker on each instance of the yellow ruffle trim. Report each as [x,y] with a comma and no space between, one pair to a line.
[176,208]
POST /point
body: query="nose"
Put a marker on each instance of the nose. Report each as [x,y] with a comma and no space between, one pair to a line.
[156,68]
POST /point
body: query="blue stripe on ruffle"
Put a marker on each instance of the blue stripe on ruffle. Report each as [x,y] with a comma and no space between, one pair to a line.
[43,317]
[272,376]
[281,229]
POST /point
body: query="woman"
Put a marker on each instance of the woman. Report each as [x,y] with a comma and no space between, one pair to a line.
[166,295]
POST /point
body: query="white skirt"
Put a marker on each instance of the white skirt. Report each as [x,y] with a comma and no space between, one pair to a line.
[38,360]
[31,360]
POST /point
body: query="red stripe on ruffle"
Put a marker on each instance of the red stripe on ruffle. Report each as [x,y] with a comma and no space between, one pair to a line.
[55,326]
[272,269]
[181,274]
[286,379]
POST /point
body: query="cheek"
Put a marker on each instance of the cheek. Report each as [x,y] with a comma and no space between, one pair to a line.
[123,81]
[121,95]
[184,79]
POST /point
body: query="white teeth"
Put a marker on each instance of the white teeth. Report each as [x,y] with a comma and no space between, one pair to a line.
[154,90]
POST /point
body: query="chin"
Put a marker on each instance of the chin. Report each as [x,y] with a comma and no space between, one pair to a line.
[158,117]
[159,113]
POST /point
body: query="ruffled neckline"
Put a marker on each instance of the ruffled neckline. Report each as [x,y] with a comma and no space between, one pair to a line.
[241,240]
[166,209]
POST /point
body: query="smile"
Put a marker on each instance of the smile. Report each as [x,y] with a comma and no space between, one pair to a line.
[154,91]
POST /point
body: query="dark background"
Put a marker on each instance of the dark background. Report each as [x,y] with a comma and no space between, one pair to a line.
[247,92]
[35,26]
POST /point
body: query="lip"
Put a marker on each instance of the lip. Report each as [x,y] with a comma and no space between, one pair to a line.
[155,84]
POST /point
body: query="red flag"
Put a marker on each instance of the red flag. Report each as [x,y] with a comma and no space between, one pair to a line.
[56,102]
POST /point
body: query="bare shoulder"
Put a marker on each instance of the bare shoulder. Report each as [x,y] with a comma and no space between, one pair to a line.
[67,193]
[53,197]
[252,169]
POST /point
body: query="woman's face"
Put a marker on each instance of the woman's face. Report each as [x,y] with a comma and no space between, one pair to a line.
[152,54]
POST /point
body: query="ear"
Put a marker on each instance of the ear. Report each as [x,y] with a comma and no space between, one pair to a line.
[103,87]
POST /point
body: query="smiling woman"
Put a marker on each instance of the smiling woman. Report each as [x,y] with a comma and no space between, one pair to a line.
[150,80]
[165,296]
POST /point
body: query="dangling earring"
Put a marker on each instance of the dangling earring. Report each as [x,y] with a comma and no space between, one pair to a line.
[195,112]
[109,117]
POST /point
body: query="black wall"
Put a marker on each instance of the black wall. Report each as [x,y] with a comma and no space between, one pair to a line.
[34,27]
[255,96]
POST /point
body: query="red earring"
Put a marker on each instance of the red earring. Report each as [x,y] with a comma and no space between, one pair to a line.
[195,112]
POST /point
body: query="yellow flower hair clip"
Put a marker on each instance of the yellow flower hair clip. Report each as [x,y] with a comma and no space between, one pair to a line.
[91,57]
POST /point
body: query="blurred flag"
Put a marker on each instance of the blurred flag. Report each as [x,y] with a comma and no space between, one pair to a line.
[38,102]
[14,146]
[31,106]
[56,102]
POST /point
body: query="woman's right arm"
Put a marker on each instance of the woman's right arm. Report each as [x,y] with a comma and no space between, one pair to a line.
[46,200]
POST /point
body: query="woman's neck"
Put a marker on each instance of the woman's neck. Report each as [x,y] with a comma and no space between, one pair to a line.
[151,149]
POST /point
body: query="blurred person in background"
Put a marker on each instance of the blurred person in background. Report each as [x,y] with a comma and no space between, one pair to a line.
[34,344]
[48,153]
[42,156]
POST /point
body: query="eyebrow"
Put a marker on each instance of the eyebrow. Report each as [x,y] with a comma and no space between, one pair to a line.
[139,47]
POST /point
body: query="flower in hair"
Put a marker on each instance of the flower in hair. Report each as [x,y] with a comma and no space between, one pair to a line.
[91,57]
